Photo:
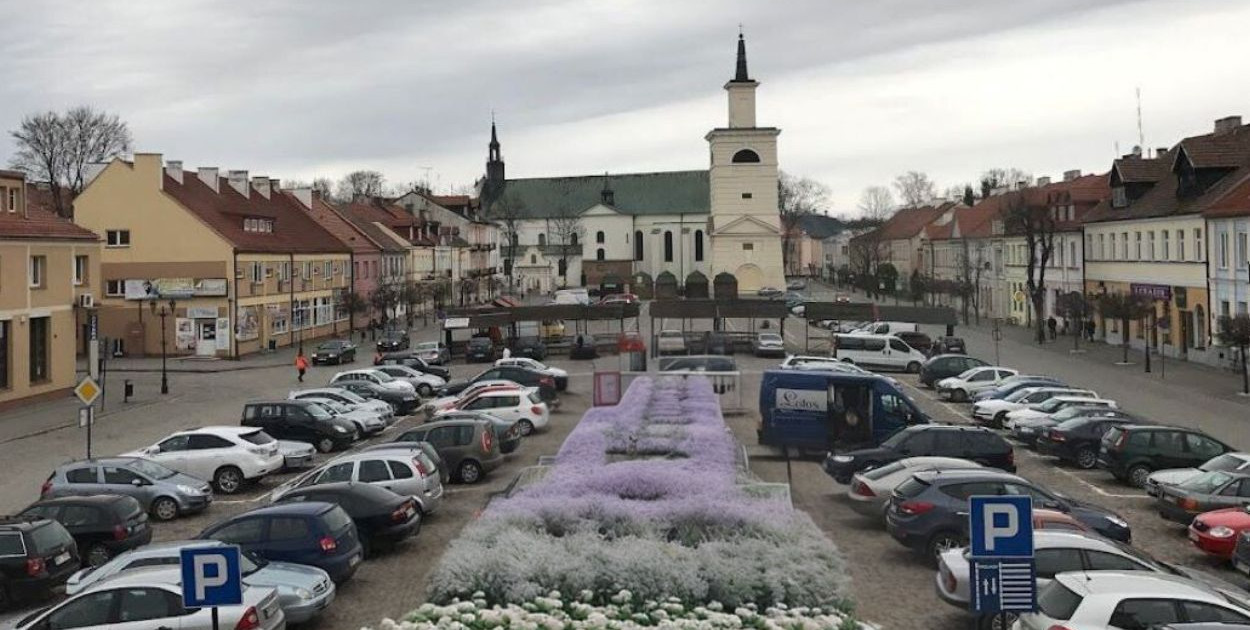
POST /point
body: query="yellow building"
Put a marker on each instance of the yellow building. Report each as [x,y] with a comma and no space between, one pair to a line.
[48,267]
[243,265]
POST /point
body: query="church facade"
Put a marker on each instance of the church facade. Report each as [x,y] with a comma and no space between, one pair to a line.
[608,230]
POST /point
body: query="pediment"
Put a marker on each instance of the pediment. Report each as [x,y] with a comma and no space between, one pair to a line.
[746,225]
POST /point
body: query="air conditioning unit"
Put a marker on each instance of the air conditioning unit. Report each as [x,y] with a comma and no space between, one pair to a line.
[86,300]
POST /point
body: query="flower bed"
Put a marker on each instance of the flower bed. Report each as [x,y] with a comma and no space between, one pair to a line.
[644,498]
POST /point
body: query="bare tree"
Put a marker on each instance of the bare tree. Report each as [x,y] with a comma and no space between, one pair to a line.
[1235,331]
[508,211]
[1011,178]
[865,254]
[915,189]
[876,203]
[972,261]
[1124,308]
[797,197]
[361,184]
[1037,225]
[325,187]
[567,233]
[59,148]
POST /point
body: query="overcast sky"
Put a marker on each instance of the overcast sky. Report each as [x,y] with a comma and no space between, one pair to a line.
[861,90]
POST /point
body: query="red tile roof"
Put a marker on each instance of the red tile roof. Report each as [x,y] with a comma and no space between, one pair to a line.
[365,215]
[1137,169]
[41,224]
[295,231]
[909,222]
[342,229]
[1234,203]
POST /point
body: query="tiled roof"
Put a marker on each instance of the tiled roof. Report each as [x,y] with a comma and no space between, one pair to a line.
[294,230]
[1136,169]
[1234,203]
[908,222]
[671,192]
[366,216]
[820,226]
[342,229]
[41,224]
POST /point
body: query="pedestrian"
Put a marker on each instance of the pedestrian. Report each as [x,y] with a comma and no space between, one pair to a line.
[1089,329]
[1053,326]
[1065,327]
[507,352]
[301,365]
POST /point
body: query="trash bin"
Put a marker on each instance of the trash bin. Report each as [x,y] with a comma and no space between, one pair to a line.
[633,352]
[128,390]
[273,345]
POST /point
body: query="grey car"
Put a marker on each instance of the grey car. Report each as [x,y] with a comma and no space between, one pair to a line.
[404,471]
[163,492]
[468,447]
[303,591]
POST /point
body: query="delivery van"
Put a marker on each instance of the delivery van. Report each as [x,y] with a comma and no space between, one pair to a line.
[885,352]
[825,411]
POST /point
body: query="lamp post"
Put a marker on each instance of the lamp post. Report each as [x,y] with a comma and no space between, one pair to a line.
[163,313]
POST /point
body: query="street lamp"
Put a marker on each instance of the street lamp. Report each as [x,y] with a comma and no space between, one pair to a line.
[163,313]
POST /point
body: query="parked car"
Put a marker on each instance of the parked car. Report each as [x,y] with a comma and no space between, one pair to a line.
[401,402]
[929,512]
[366,422]
[480,350]
[163,492]
[1131,600]
[406,472]
[349,398]
[444,475]
[301,420]
[994,412]
[948,345]
[530,347]
[671,342]
[1077,440]
[916,339]
[870,489]
[1217,532]
[295,455]
[377,377]
[941,440]
[1241,553]
[459,392]
[714,342]
[230,457]
[393,340]
[561,377]
[383,518]
[312,533]
[152,599]
[1016,383]
[1051,406]
[433,352]
[412,358]
[102,525]
[972,381]
[545,383]
[467,447]
[425,384]
[336,351]
[1202,493]
[36,556]
[943,366]
[767,344]
[303,591]
[1029,430]
[1232,462]
[525,409]
[796,285]
[769,292]
[507,432]
[1132,452]
[885,352]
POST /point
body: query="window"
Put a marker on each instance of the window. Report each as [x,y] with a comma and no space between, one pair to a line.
[668,246]
[533,259]
[1225,308]
[1222,254]
[119,476]
[327,268]
[1089,245]
[114,288]
[258,224]
[638,245]
[745,156]
[1118,197]
[80,270]
[1140,614]
[1167,250]
[288,529]
[1241,307]
[336,473]
[599,237]
[1180,245]
[1153,252]
[573,239]
[1202,612]
[258,273]
[1103,561]
[1073,261]
[698,245]
[599,254]
[1113,250]
[747,195]
[746,247]
[542,240]
[240,532]
[175,444]
[38,271]
[81,475]
[84,612]
[117,238]
[1241,249]
[1138,239]
[39,337]
[12,200]
[1200,252]
[204,442]
[143,604]
[399,471]
[374,470]
[1057,560]
[1102,246]
[4,355]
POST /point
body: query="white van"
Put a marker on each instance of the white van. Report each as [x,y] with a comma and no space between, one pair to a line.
[885,352]
[886,328]
[572,296]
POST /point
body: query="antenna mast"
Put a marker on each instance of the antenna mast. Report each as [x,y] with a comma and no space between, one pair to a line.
[1141,137]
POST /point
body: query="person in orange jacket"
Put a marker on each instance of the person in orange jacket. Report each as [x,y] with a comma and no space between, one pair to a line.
[301,365]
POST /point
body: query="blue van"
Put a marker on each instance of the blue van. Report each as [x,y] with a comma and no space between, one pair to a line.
[816,410]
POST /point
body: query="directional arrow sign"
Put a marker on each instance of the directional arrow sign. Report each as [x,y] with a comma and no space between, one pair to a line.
[87,390]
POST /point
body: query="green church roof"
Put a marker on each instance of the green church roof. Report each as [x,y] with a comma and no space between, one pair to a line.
[672,192]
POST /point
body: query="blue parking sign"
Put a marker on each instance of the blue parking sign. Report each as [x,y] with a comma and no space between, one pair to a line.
[1003,586]
[211,577]
[1001,526]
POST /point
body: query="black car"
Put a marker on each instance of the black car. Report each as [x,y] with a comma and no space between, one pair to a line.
[393,340]
[1076,441]
[1130,452]
[948,345]
[103,525]
[409,358]
[402,403]
[916,340]
[973,443]
[530,347]
[545,383]
[480,350]
[36,555]
[335,351]
[382,517]
[300,421]
[946,365]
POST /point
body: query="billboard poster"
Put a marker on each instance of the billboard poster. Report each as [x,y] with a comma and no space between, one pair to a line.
[248,324]
[223,339]
[175,288]
[184,333]
[210,287]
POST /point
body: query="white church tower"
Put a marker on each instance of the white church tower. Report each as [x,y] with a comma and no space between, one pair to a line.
[745,225]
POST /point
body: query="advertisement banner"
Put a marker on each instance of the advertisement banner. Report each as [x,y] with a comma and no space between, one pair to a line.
[223,339]
[175,288]
[248,327]
[1152,291]
[184,333]
[210,287]
[202,312]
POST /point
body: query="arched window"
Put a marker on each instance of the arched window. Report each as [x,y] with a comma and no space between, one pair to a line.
[638,245]
[599,254]
[668,246]
[533,259]
[542,240]
[599,236]
[573,239]
[698,245]
[562,267]
[746,156]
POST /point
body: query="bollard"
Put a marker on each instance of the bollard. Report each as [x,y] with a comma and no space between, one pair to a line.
[128,390]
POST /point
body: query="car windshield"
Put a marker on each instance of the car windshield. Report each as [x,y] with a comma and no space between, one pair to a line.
[1223,462]
[393,335]
[1058,601]
[151,469]
[1206,483]
[770,337]
[1018,394]
[1064,415]
[331,345]
[383,377]
[250,563]
[877,473]
[11,545]
[427,345]
[350,396]
[318,412]
[1054,404]
[967,374]
[897,439]
[257,437]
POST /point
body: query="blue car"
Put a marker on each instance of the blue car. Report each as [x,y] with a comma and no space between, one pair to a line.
[313,533]
[1016,383]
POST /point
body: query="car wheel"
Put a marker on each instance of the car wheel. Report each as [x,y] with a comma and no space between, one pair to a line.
[425,390]
[97,555]
[164,509]
[913,368]
[999,418]
[4,598]
[470,472]
[228,479]
[526,426]
[1086,458]
[1137,475]
[942,542]
[324,445]
[958,395]
[1000,621]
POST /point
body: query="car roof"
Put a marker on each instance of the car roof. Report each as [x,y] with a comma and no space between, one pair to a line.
[306,508]
[167,577]
[1068,538]
[102,461]
[93,499]
[450,423]
[367,490]
[219,430]
[503,391]
[965,474]
[1136,584]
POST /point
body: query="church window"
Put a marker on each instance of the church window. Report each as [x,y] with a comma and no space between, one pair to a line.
[599,254]
[746,247]
[638,245]
[746,156]
[599,237]
[533,259]
[668,246]
[573,239]
[746,195]
[562,267]
[542,240]
[698,245]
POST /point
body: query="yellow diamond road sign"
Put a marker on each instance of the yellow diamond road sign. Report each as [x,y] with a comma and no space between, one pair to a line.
[87,390]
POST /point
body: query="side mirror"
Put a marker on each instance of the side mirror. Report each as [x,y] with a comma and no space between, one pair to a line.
[136,482]
[153,450]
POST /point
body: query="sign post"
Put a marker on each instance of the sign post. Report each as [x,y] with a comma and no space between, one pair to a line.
[1003,574]
[211,577]
[87,392]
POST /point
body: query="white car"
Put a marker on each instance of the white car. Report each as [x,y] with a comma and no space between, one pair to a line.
[446,402]
[994,411]
[151,599]
[671,342]
[377,377]
[810,362]
[972,382]
[561,377]
[1050,406]
[1095,600]
[1230,462]
[425,384]
[349,398]
[526,409]
[229,457]
[367,422]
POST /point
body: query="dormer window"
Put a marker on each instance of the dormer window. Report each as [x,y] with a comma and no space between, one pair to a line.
[1119,198]
[258,224]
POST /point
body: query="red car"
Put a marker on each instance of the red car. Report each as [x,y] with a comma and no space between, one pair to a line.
[619,298]
[1216,532]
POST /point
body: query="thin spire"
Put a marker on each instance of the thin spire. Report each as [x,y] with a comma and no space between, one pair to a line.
[741,75]
[494,139]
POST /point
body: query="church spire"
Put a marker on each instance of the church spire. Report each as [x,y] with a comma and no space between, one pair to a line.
[741,75]
[494,161]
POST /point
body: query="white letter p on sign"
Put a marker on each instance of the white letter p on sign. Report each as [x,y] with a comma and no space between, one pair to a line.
[993,531]
[202,581]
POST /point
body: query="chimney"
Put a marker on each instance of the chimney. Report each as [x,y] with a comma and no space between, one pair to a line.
[304,196]
[261,184]
[238,181]
[275,184]
[1160,151]
[1043,181]
[208,175]
[173,168]
[1227,124]
[1071,175]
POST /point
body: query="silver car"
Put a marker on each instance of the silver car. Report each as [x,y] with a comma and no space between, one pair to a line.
[870,490]
[405,470]
[349,398]
[303,591]
[163,492]
[367,422]
[425,384]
